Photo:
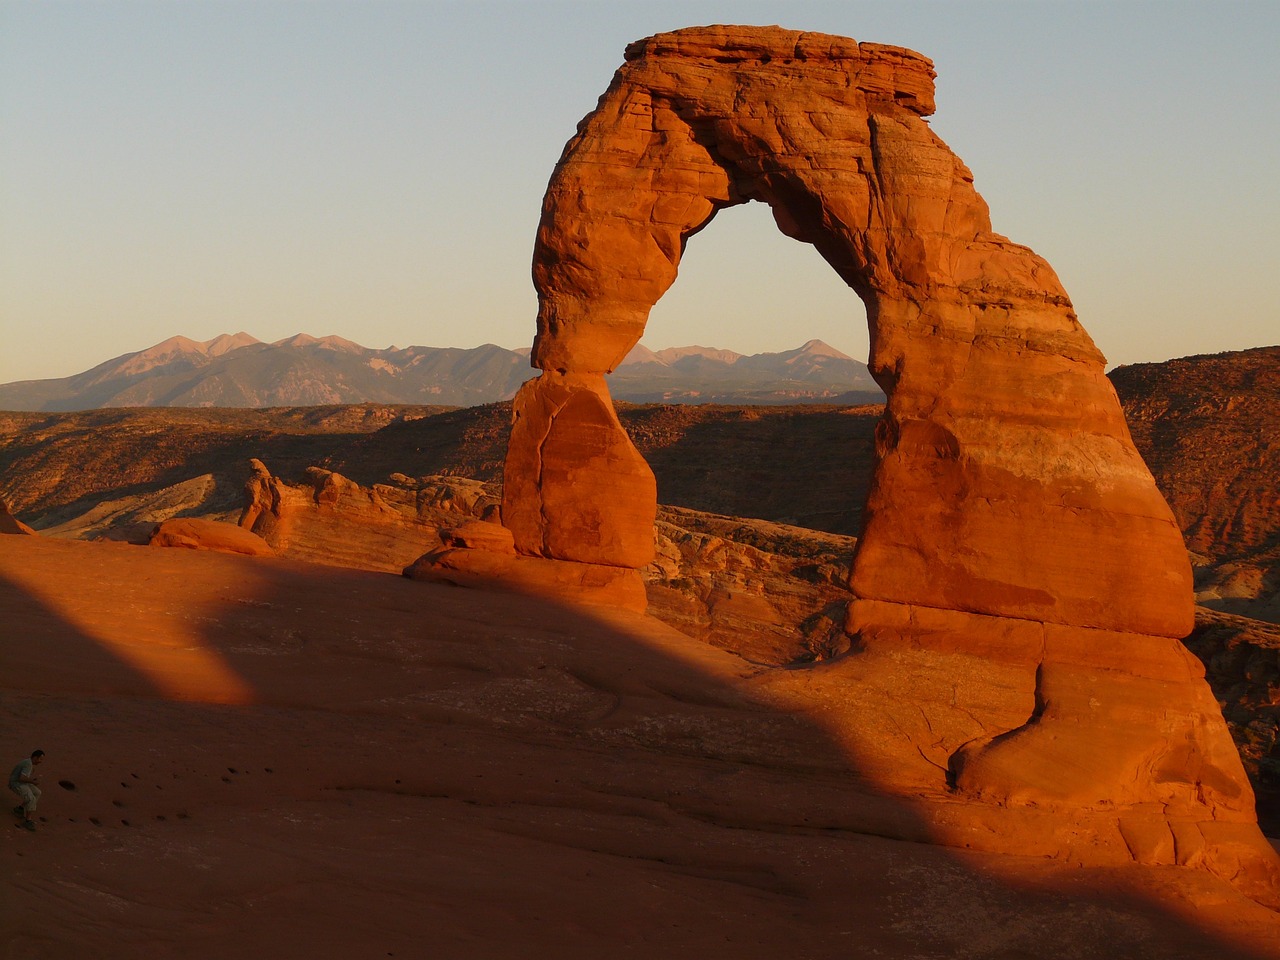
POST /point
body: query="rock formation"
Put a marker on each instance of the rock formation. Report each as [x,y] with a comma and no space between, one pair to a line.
[194,533]
[11,524]
[1242,664]
[482,553]
[333,520]
[771,593]
[1020,584]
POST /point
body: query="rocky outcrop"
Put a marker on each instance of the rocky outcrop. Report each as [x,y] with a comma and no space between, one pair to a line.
[483,554]
[1015,548]
[330,519]
[194,533]
[133,517]
[769,592]
[11,524]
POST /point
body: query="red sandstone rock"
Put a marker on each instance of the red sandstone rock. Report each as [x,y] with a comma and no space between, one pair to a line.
[330,519]
[575,488]
[584,772]
[590,583]
[11,524]
[197,534]
[480,535]
[1016,552]
[769,592]
[1007,483]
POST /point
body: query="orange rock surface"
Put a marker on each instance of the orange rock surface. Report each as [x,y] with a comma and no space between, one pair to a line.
[301,760]
[331,519]
[194,533]
[1015,547]
[1007,483]
[11,524]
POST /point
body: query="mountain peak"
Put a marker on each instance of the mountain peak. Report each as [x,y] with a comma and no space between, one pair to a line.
[174,350]
[816,348]
[226,342]
[174,345]
[672,354]
[324,343]
[640,354]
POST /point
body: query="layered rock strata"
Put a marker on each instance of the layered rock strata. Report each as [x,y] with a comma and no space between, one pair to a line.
[330,519]
[1015,547]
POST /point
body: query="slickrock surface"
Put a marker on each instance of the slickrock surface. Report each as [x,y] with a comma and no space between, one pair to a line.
[1019,580]
[769,592]
[296,760]
[1209,428]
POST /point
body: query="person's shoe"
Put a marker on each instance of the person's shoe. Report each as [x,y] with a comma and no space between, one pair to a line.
[20,811]
[29,824]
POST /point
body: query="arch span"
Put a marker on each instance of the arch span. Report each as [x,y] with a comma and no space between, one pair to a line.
[1020,583]
[1007,483]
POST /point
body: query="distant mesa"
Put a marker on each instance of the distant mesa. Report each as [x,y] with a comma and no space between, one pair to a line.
[238,370]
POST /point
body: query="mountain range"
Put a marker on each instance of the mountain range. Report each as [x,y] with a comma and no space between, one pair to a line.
[238,370]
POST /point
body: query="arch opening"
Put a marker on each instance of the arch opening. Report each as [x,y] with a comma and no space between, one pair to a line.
[744,286]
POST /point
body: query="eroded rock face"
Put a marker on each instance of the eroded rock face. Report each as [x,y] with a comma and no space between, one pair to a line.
[1015,547]
[769,592]
[331,519]
[1007,484]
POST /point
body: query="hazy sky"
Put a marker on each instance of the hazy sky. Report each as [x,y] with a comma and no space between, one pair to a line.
[374,170]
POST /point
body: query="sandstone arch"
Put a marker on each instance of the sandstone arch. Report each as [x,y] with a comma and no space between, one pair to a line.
[1014,543]
[1008,484]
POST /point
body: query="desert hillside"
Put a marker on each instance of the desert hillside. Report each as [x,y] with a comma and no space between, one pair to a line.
[54,467]
[1209,429]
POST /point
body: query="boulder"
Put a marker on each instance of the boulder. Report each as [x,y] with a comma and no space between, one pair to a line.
[197,534]
[11,524]
[593,584]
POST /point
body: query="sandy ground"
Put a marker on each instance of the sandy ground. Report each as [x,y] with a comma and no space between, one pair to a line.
[271,759]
